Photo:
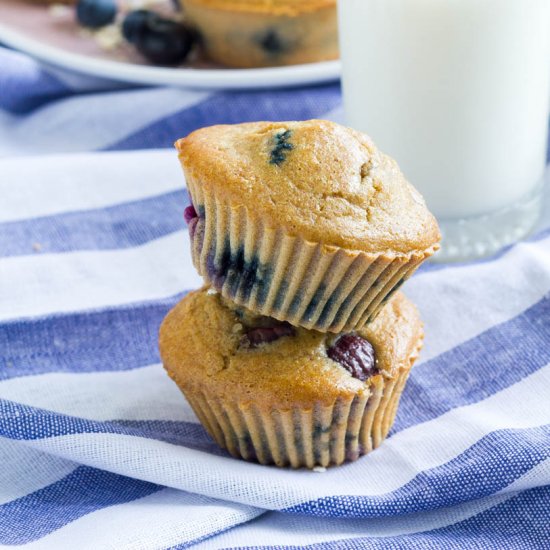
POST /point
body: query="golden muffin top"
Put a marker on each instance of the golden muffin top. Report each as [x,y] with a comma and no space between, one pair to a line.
[275,7]
[316,179]
[203,341]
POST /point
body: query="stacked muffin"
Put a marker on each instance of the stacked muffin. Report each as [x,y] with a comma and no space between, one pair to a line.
[297,349]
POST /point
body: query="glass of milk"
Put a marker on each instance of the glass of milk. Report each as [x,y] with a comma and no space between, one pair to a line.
[457,91]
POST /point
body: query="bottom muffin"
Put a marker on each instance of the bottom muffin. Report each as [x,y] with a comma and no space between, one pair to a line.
[272,393]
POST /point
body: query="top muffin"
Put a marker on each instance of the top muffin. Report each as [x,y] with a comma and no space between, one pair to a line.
[306,222]
[316,179]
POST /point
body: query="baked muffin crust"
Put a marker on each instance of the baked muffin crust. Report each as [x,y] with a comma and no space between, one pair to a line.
[331,184]
[201,345]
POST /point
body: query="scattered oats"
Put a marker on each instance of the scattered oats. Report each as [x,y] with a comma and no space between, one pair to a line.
[237,328]
[319,469]
[109,37]
[211,291]
[60,11]
[37,247]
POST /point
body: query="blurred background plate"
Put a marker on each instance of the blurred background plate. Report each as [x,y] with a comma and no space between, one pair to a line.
[52,36]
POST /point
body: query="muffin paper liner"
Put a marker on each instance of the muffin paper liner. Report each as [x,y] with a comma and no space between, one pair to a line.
[303,436]
[312,285]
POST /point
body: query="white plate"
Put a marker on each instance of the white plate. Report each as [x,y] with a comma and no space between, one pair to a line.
[31,29]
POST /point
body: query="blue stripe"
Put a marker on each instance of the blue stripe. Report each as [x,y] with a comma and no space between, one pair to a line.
[121,226]
[83,491]
[25,85]
[233,108]
[520,523]
[23,422]
[108,340]
[485,468]
[478,368]
[126,338]
[488,466]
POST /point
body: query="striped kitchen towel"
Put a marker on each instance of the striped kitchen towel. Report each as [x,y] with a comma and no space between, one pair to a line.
[99,450]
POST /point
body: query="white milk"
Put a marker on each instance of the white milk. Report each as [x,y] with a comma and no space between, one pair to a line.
[456,90]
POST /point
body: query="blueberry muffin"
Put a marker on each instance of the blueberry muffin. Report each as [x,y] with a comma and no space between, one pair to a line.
[306,222]
[263,33]
[269,392]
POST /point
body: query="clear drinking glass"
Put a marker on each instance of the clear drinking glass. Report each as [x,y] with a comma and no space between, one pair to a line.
[457,91]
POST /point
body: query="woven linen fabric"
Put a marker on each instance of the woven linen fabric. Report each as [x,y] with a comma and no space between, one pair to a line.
[98,448]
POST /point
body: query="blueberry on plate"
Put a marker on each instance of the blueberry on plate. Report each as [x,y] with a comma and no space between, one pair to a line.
[134,24]
[161,41]
[95,13]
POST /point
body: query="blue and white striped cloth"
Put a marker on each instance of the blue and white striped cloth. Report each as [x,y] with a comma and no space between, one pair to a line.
[99,450]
